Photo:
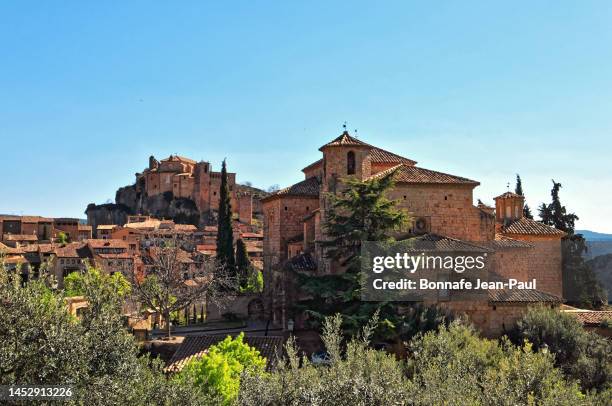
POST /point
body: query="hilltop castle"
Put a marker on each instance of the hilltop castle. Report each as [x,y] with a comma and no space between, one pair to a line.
[182,177]
[441,208]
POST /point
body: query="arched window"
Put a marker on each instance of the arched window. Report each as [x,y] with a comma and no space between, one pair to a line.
[350,163]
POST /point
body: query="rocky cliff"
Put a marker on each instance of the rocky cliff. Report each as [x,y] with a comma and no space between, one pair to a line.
[181,210]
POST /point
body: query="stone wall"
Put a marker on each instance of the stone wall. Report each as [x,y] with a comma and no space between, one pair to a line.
[512,263]
[448,210]
[545,262]
[244,306]
[492,319]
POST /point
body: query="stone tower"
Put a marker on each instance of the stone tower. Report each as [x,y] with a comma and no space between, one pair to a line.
[509,207]
[202,186]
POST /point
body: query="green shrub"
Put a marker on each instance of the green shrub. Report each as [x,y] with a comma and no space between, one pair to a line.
[581,355]
[218,372]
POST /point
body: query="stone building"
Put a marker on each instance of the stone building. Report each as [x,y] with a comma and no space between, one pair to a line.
[181,177]
[439,205]
[23,230]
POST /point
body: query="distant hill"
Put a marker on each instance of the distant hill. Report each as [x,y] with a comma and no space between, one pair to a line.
[593,236]
[602,267]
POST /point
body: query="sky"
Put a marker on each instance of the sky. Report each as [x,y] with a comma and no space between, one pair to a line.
[480,89]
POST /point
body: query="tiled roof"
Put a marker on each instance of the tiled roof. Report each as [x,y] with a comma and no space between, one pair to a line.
[106,226]
[10,250]
[412,174]
[192,347]
[345,140]
[178,254]
[532,227]
[109,243]
[71,250]
[379,155]
[313,165]
[152,223]
[302,262]
[20,237]
[35,219]
[502,242]
[592,318]
[185,227]
[178,158]
[308,187]
[123,255]
[251,235]
[435,242]
[522,296]
[83,227]
[507,195]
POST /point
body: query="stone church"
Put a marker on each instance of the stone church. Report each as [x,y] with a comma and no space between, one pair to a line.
[440,206]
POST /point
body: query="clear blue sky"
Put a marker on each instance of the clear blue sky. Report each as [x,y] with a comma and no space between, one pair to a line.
[88,90]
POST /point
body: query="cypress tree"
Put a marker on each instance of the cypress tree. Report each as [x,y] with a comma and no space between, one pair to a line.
[243,263]
[225,238]
[519,191]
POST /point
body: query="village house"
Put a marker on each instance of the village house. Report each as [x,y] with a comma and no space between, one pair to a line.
[441,208]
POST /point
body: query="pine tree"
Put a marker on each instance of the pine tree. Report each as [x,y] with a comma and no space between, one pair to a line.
[519,191]
[243,263]
[555,214]
[225,238]
[360,213]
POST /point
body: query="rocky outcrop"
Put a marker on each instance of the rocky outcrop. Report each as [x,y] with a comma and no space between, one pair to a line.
[128,200]
[109,213]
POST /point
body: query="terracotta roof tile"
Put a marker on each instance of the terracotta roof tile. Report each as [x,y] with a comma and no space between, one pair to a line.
[507,195]
[35,219]
[193,347]
[20,237]
[592,318]
[435,242]
[107,226]
[345,140]
[379,155]
[123,255]
[108,243]
[308,187]
[251,235]
[313,165]
[522,296]
[531,227]
[412,174]
[178,158]
[502,242]
[185,227]
[71,250]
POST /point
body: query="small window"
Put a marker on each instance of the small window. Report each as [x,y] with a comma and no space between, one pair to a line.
[286,208]
[350,163]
